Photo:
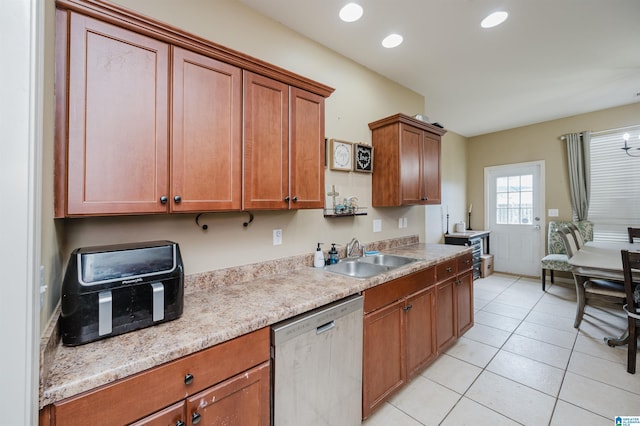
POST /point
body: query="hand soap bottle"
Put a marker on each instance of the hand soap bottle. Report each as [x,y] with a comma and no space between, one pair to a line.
[318,260]
[333,254]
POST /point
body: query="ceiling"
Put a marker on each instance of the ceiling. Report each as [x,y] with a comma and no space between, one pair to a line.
[551,59]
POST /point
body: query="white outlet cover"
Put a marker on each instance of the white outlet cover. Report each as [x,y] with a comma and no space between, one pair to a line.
[553,213]
[404,222]
[400,223]
[377,225]
[277,237]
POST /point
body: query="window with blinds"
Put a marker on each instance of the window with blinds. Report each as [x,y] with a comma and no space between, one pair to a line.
[615,184]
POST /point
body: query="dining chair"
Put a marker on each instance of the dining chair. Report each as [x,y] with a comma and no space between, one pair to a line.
[575,233]
[592,288]
[633,233]
[556,259]
[631,263]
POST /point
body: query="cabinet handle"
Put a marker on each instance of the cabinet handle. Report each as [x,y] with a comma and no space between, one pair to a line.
[449,269]
[164,199]
[295,199]
[195,418]
[407,308]
[188,379]
[286,199]
[177,198]
[180,423]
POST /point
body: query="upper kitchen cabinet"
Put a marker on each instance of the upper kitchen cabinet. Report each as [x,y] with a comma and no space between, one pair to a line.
[407,170]
[206,143]
[283,145]
[115,161]
[150,119]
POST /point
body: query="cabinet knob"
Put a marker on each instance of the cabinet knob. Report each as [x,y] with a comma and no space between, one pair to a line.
[188,379]
[163,199]
[407,308]
[295,199]
[177,198]
[449,269]
[287,198]
[195,418]
[180,423]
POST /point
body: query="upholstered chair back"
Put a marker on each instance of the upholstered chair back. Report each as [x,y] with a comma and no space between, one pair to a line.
[555,245]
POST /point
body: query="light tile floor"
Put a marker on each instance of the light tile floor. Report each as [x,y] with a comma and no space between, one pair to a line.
[523,363]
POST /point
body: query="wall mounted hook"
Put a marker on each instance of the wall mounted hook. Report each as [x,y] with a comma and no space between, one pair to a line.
[245,224]
[203,226]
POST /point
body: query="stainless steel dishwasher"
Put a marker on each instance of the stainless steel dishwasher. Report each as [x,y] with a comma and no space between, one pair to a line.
[317,366]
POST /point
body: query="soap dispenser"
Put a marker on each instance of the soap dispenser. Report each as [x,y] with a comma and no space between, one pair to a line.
[333,254]
[318,260]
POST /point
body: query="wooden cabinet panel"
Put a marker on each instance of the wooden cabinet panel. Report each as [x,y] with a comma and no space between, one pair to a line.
[306,171]
[206,157]
[383,356]
[164,385]
[464,299]
[420,330]
[117,118]
[170,416]
[446,269]
[407,167]
[266,143]
[239,401]
[431,168]
[446,314]
[411,164]
[386,293]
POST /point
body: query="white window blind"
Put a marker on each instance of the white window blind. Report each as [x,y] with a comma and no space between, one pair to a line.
[615,184]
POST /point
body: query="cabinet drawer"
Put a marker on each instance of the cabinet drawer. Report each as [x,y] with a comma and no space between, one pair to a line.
[164,385]
[446,269]
[171,415]
[465,262]
[389,292]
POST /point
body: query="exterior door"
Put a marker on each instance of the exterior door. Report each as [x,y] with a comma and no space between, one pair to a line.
[514,206]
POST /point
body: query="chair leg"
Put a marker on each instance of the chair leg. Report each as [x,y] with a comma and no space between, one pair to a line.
[551,276]
[544,276]
[581,299]
[632,346]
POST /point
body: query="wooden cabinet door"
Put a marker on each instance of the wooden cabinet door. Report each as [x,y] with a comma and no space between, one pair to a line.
[420,330]
[206,160]
[242,400]
[306,171]
[266,142]
[118,120]
[446,314]
[431,169]
[383,369]
[170,416]
[464,300]
[411,164]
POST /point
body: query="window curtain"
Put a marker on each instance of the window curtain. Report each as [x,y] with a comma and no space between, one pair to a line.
[579,172]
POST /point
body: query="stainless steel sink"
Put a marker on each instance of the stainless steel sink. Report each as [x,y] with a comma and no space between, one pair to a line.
[370,266]
[390,260]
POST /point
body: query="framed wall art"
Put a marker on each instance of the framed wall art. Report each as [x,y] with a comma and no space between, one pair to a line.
[363,158]
[341,155]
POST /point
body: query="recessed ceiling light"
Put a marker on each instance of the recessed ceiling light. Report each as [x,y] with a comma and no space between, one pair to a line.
[392,40]
[351,12]
[493,20]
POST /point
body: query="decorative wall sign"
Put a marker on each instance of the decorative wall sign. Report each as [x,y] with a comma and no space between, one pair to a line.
[341,155]
[363,158]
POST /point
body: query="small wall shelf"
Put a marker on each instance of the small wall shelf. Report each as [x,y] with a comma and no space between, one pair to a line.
[332,213]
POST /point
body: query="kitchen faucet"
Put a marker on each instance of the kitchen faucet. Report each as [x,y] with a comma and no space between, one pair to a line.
[351,245]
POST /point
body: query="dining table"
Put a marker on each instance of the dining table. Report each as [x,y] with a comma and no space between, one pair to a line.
[602,260]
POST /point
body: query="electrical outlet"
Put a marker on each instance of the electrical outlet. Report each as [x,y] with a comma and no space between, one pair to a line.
[404,222]
[400,223]
[553,213]
[377,225]
[277,237]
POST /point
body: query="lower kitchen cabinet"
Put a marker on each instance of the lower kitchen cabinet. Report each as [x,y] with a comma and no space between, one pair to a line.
[398,337]
[225,384]
[408,322]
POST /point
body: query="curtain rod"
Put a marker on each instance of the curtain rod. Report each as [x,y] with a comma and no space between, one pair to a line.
[599,132]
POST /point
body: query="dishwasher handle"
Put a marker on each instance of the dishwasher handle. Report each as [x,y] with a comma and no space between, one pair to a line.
[325,327]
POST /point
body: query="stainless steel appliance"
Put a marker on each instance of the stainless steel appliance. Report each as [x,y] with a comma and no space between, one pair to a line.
[110,290]
[317,366]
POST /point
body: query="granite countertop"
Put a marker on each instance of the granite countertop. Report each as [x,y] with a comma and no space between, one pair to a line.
[215,311]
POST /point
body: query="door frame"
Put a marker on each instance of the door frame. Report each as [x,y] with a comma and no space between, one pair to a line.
[541,197]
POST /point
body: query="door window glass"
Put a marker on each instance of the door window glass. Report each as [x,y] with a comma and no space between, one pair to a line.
[514,200]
